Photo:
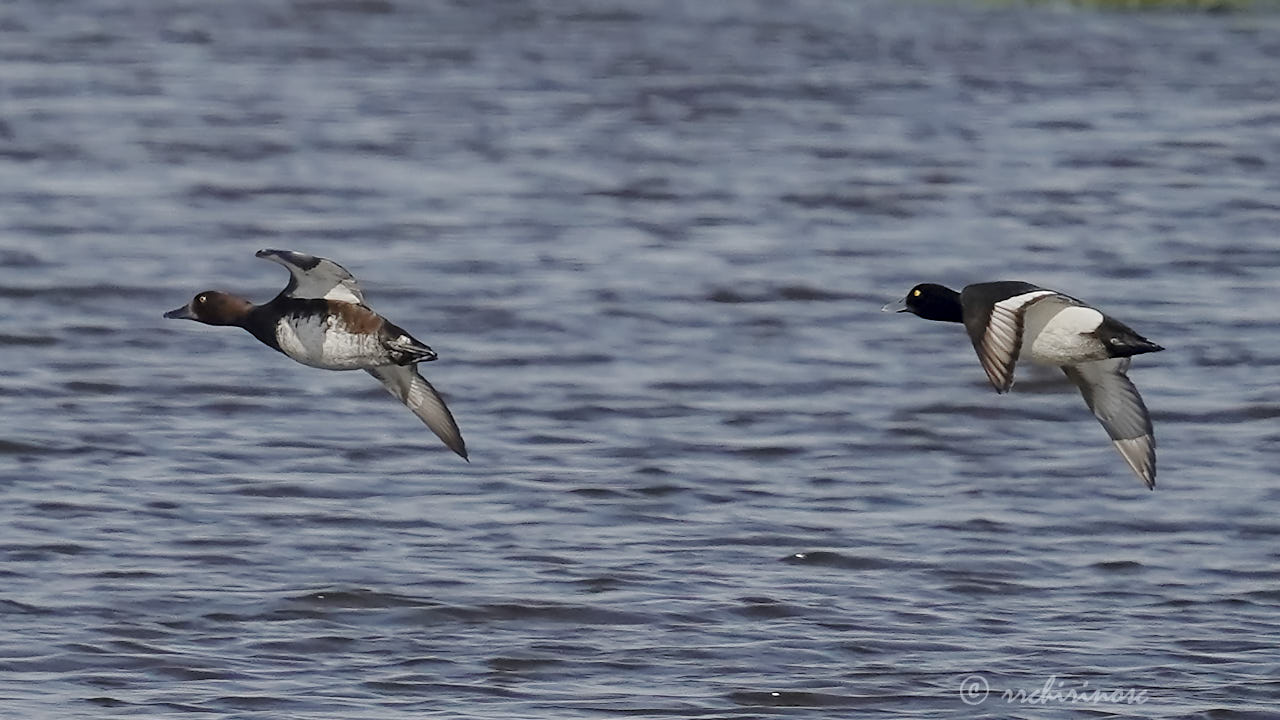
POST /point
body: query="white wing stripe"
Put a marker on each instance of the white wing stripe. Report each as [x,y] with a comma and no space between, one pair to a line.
[1018,303]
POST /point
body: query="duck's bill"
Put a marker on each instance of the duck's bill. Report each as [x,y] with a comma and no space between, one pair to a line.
[182,313]
[899,305]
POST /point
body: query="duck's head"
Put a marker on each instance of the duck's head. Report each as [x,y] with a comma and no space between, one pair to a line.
[930,301]
[212,307]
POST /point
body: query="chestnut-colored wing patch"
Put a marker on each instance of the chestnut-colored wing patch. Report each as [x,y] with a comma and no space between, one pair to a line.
[356,318]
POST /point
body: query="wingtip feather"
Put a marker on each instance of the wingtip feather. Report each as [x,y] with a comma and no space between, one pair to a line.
[1139,454]
[459,447]
[404,382]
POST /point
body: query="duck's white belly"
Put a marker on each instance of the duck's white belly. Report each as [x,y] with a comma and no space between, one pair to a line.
[1064,337]
[322,341]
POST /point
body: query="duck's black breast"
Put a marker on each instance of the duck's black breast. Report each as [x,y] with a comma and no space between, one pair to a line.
[263,321]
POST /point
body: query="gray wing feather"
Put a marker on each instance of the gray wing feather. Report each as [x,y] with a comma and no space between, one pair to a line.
[404,382]
[312,277]
[1116,403]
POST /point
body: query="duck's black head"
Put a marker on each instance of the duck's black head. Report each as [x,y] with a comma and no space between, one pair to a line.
[931,302]
[214,308]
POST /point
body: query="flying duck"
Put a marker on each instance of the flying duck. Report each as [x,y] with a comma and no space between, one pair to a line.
[1007,317]
[320,319]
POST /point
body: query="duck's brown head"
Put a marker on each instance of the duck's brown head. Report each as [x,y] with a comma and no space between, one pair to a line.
[212,307]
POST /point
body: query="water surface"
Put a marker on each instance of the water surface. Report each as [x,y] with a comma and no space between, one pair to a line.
[650,241]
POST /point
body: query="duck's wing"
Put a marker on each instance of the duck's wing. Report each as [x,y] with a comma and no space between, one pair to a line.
[414,391]
[994,315]
[312,277]
[1116,403]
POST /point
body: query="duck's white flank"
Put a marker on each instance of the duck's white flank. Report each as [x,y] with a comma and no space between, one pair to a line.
[323,341]
[1065,337]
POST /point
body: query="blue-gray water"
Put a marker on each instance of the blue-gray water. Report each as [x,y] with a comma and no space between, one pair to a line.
[650,241]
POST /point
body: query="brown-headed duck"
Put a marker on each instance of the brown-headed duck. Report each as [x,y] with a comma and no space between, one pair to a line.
[320,319]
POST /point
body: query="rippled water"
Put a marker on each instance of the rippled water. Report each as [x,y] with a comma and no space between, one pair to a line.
[650,241]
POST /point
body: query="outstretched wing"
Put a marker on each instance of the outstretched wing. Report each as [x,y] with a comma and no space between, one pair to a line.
[1116,403]
[997,335]
[312,277]
[413,390]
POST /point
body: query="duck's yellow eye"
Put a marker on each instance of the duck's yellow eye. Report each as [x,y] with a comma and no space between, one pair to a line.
[202,299]
[915,293]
